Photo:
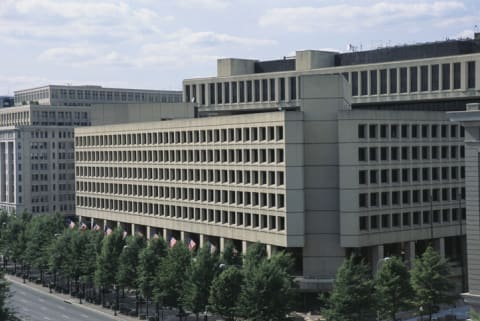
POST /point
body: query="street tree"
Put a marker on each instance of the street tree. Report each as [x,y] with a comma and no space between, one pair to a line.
[267,291]
[107,260]
[149,260]
[351,298]
[171,276]
[392,288]
[39,234]
[225,293]
[431,283]
[202,272]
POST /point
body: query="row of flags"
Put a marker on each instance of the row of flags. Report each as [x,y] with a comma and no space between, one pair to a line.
[172,240]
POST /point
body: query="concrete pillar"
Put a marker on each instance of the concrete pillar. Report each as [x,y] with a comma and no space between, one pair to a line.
[439,245]
[104,224]
[244,247]
[201,240]
[148,236]
[119,224]
[377,257]
[277,89]
[133,229]
[269,250]
[165,234]
[222,244]
[410,253]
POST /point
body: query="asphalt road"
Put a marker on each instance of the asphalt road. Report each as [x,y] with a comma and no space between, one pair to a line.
[33,305]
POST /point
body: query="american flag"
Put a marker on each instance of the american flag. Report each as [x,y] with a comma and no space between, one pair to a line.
[72,224]
[124,234]
[83,226]
[155,236]
[173,241]
[191,245]
[96,227]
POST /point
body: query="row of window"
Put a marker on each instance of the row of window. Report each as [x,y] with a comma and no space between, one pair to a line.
[243,91]
[96,95]
[230,135]
[238,219]
[408,219]
[274,178]
[392,131]
[406,153]
[270,155]
[407,197]
[239,198]
[409,175]
[412,79]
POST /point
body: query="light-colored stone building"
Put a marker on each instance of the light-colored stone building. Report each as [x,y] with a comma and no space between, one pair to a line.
[323,155]
[37,171]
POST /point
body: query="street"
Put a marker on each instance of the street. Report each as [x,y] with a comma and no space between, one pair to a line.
[33,305]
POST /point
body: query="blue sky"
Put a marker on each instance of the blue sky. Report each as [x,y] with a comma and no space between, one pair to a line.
[157,43]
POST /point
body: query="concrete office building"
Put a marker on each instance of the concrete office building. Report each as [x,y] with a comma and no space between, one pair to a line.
[470,119]
[36,142]
[56,95]
[323,154]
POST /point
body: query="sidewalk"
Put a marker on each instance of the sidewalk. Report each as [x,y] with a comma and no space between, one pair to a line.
[68,299]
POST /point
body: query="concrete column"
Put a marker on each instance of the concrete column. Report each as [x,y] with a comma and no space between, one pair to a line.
[439,245]
[222,244]
[238,91]
[201,240]
[388,81]
[119,224]
[429,77]
[230,92]
[377,256]
[287,89]
[410,253]
[451,76]
[409,77]
[244,247]
[269,250]
[148,236]
[277,89]
[269,89]
[165,234]
[133,229]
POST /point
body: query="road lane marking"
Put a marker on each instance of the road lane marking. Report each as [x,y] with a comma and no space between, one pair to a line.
[65,317]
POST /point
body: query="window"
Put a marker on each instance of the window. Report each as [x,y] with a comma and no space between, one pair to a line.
[373,82]
[445,76]
[423,78]
[413,79]
[403,80]
[456,75]
[393,80]
[383,81]
[362,131]
[435,77]
[354,83]
[364,82]
[471,74]
[362,200]
[363,223]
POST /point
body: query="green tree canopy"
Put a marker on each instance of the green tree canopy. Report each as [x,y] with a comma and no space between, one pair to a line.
[393,289]
[225,293]
[267,290]
[172,275]
[107,260]
[203,270]
[149,262]
[351,298]
[430,281]
[6,313]
[127,274]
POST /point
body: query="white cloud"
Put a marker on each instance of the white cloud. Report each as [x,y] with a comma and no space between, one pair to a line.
[205,4]
[348,17]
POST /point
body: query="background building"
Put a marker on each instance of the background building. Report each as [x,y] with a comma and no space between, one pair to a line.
[322,154]
[37,165]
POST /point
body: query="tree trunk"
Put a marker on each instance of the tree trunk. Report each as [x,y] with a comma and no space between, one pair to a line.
[136,302]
